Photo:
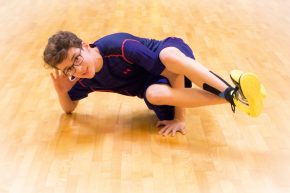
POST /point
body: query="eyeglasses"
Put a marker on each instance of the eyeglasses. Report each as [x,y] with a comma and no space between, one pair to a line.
[77,62]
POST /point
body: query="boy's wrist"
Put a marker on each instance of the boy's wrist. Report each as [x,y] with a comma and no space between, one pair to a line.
[180,119]
[62,93]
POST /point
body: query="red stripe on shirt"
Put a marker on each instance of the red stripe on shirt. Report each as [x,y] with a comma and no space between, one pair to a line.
[123,54]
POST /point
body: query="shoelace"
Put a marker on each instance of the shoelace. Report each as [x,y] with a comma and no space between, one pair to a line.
[237,93]
[233,106]
[242,98]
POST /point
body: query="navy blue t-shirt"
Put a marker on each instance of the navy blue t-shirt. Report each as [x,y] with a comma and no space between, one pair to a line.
[129,63]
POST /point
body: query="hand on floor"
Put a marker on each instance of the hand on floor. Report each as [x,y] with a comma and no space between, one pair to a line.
[170,127]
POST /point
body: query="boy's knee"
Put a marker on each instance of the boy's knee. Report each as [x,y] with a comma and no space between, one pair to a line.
[171,56]
[157,94]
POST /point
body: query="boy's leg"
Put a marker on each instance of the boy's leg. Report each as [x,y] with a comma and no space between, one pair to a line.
[160,97]
[177,63]
[161,94]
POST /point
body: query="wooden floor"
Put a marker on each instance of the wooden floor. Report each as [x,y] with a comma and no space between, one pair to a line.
[110,144]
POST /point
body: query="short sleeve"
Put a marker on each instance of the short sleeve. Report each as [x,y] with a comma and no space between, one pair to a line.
[136,53]
[79,92]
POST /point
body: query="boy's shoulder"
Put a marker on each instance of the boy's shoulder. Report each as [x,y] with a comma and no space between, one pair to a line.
[112,43]
[114,39]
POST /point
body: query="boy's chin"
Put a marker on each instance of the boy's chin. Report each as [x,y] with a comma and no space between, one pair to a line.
[89,76]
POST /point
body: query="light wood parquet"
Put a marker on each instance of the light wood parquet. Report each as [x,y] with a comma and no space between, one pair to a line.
[110,144]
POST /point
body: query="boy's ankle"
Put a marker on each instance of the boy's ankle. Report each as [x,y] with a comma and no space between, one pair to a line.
[228,94]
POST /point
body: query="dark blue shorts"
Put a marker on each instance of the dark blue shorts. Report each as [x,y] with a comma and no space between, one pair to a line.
[166,112]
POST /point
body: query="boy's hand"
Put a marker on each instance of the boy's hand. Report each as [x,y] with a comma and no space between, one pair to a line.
[62,83]
[170,127]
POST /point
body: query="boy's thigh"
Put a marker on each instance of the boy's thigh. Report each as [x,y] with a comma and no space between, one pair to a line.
[176,45]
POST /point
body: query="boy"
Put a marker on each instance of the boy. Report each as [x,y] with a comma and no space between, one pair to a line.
[161,72]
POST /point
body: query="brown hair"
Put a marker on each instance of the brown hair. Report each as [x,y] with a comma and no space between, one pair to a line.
[57,47]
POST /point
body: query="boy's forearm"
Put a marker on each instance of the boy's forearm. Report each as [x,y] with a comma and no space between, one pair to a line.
[66,103]
[180,112]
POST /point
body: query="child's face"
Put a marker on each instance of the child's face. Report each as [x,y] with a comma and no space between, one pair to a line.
[81,63]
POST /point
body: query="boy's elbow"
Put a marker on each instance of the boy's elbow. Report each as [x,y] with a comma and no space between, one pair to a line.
[70,109]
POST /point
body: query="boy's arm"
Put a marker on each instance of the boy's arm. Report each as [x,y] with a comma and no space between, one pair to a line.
[136,53]
[176,81]
[66,103]
[62,85]
[180,114]
[170,127]
[179,111]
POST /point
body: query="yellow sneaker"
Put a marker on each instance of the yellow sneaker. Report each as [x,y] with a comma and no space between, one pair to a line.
[248,95]
[235,76]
